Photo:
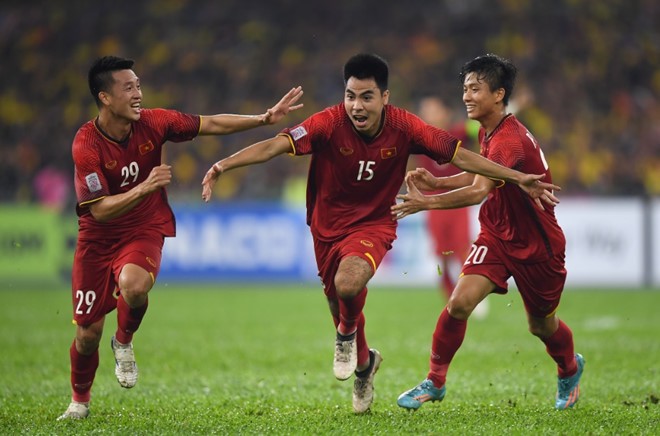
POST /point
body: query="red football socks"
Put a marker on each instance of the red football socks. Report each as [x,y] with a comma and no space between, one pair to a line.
[560,347]
[352,319]
[83,370]
[128,320]
[447,339]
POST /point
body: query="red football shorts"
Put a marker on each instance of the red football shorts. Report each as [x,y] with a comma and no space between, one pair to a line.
[450,230]
[371,244]
[540,284]
[96,268]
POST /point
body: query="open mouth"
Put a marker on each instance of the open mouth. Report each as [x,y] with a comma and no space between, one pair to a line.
[360,120]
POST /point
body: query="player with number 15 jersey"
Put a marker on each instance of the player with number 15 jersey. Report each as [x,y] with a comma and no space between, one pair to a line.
[353,179]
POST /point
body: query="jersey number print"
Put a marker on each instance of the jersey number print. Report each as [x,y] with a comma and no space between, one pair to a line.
[365,172]
[133,169]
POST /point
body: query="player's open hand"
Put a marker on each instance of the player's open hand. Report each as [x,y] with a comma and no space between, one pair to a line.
[209,180]
[412,202]
[284,106]
[541,192]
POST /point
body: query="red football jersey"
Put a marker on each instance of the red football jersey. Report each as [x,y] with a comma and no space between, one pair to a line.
[528,234]
[354,181]
[105,167]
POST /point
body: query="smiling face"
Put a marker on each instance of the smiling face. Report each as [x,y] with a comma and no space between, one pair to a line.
[364,102]
[480,101]
[125,96]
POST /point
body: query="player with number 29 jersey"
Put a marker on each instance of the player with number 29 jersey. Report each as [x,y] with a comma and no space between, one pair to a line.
[105,167]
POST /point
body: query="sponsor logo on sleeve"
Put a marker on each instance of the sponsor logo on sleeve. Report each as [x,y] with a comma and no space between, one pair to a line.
[298,133]
[93,182]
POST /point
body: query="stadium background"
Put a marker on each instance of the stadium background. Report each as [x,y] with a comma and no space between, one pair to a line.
[589,90]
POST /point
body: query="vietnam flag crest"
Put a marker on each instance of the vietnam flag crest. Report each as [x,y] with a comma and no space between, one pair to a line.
[387,153]
[146,148]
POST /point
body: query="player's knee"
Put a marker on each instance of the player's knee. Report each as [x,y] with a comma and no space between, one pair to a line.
[537,331]
[459,306]
[88,339]
[543,329]
[347,286]
[134,287]
[352,276]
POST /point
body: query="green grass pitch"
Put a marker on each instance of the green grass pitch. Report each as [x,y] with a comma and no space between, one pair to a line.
[254,359]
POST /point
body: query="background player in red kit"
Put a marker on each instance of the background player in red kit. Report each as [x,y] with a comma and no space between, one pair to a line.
[449,228]
[124,214]
[359,151]
[516,240]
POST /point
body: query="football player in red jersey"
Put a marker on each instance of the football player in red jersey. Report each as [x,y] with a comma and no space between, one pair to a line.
[516,239]
[359,151]
[124,214]
[449,229]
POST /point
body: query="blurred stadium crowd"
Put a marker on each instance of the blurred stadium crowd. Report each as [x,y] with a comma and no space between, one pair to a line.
[588,87]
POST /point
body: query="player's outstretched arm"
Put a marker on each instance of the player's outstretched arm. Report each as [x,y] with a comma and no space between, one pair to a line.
[256,153]
[224,124]
[530,183]
[414,201]
[426,181]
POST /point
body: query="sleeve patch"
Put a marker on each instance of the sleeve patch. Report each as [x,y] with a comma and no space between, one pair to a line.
[298,133]
[93,182]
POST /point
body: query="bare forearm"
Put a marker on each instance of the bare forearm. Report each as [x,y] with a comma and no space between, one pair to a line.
[414,201]
[224,124]
[256,153]
[115,206]
[461,197]
[455,182]
[477,164]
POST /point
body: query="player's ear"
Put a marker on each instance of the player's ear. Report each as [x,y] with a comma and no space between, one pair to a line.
[104,97]
[499,95]
[386,96]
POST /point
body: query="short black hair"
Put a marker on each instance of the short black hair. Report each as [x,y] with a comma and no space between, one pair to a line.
[496,71]
[366,66]
[100,74]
